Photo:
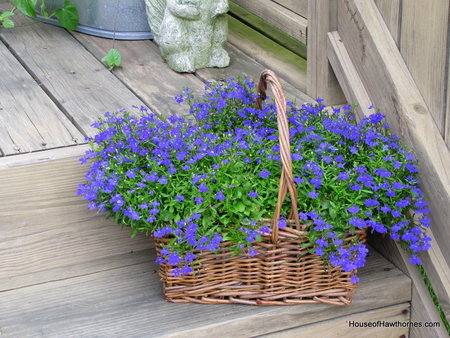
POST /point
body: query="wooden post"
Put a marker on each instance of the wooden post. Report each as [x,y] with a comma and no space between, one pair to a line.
[322,18]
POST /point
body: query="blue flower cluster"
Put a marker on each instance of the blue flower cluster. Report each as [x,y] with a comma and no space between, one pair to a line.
[211,176]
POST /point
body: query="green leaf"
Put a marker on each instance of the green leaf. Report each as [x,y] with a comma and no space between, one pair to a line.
[113,58]
[332,213]
[8,23]
[239,207]
[258,238]
[67,16]
[325,204]
[26,7]
[5,15]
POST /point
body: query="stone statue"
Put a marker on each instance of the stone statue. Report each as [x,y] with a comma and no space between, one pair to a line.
[190,33]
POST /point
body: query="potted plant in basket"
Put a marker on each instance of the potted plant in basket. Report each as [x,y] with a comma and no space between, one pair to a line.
[211,189]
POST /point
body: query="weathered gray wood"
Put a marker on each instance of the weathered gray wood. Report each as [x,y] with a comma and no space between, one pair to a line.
[353,325]
[347,75]
[145,72]
[289,66]
[322,18]
[143,62]
[391,12]
[424,27]
[282,18]
[297,6]
[71,75]
[423,309]
[41,214]
[392,88]
[244,66]
[43,156]
[66,272]
[29,119]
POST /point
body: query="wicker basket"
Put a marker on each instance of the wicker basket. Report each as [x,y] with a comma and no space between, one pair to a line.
[283,272]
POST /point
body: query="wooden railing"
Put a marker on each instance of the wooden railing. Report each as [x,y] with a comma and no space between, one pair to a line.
[357,55]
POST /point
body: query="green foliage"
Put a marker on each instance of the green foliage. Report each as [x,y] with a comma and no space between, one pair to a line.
[67,15]
[218,179]
[113,59]
[5,20]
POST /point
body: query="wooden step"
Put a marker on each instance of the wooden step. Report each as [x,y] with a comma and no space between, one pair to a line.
[67,272]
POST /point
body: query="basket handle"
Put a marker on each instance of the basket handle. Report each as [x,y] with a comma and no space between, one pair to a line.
[287,178]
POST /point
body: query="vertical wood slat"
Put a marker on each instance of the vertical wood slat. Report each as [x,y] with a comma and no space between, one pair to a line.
[423,45]
[322,18]
[391,12]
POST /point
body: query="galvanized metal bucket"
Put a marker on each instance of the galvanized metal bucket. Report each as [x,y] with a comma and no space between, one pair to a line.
[100,17]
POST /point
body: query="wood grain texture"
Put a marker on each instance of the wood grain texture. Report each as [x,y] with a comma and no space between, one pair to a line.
[321,81]
[67,272]
[145,72]
[44,223]
[68,73]
[289,66]
[244,66]
[424,28]
[298,6]
[43,156]
[29,119]
[282,18]
[423,309]
[424,47]
[265,28]
[347,75]
[391,12]
[353,325]
[392,88]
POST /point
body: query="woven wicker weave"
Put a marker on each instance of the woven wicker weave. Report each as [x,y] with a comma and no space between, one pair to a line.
[283,272]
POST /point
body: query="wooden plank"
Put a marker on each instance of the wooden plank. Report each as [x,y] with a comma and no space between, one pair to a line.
[391,12]
[45,224]
[29,119]
[347,75]
[265,28]
[80,301]
[289,22]
[145,72]
[298,6]
[135,73]
[353,325]
[424,27]
[289,66]
[321,82]
[67,272]
[391,87]
[43,156]
[244,66]
[423,309]
[68,73]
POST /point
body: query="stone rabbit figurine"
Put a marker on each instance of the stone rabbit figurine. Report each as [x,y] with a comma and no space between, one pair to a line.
[190,33]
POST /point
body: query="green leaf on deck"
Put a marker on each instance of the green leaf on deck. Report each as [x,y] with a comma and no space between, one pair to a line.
[113,58]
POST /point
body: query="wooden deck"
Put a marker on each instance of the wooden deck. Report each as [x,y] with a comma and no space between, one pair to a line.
[67,272]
